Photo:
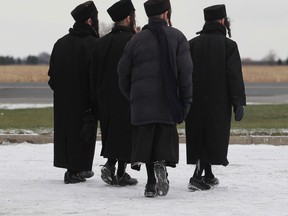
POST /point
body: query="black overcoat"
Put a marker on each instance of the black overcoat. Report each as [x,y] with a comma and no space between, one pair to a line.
[114,108]
[217,85]
[140,75]
[69,80]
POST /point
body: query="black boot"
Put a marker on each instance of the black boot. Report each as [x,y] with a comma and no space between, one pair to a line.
[122,178]
[209,177]
[196,184]
[108,173]
[125,180]
[72,178]
[150,190]
[211,181]
[86,174]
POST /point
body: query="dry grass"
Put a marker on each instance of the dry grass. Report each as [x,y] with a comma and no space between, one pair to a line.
[25,73]
[265,73]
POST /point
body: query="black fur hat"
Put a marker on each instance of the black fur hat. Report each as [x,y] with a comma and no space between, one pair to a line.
[84,11]
[215,12]
[120,10]
[156,7]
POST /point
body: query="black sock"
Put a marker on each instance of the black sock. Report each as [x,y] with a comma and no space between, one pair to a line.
[199,170]
[111,162]
[121,168]
[208,171]
[150,173]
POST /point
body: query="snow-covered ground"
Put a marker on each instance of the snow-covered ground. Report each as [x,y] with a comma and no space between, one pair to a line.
[254,183]
[24,106]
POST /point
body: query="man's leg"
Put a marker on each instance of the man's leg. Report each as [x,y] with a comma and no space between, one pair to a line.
[197,182]
[209,177]
[123,178]
[150,188]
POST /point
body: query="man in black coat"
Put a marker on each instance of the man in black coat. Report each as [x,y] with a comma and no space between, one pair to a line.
[114,110]
[217,86]
[155,75]
[74,123]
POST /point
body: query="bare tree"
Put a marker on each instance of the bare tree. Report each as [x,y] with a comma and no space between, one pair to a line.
[270,58]
[44,58]
[104,28]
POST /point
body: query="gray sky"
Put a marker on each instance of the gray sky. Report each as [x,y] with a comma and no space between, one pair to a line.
[33,26]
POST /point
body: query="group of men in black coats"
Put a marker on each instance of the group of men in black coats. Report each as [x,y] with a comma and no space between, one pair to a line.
[139,86]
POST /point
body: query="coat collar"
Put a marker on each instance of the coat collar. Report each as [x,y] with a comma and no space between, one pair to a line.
[121,28]
[213,28]
[157,20]
[82,30]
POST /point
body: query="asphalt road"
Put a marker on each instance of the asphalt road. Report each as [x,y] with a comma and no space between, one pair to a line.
[40,93]
[30,93]
[267,93]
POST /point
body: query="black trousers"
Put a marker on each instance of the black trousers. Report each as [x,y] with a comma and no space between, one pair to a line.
[155,142]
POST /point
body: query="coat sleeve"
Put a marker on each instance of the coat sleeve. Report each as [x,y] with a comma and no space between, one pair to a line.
[124,71]
[234,75]
[51,71]
[185,69]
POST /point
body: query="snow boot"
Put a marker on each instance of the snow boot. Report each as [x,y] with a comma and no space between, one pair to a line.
[125,180]
[197,184]
[86,174]
[162,178]
[211,181]
[108,174]
[150,190]
[71,178]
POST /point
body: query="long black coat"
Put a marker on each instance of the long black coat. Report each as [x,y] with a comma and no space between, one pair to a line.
[217,85]
[69,80]
[114,109]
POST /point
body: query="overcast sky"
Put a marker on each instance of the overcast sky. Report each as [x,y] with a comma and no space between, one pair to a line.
[33,26]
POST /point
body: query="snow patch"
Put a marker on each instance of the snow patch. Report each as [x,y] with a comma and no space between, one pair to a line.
[24,106]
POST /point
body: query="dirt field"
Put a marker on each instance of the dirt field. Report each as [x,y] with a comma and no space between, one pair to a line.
[265,73]
[39,73]
[24,73]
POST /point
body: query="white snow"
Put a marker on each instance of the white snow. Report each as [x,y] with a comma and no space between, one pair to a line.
[254,183]
[24,106]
